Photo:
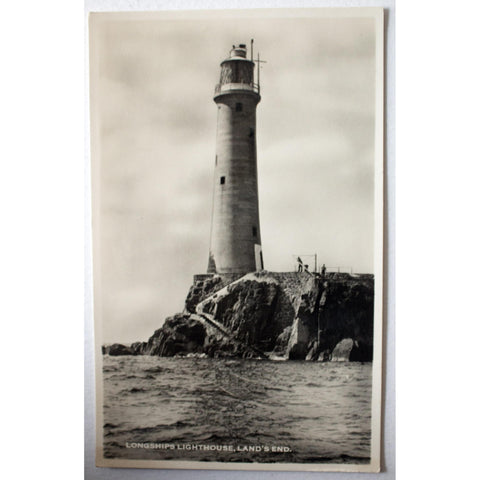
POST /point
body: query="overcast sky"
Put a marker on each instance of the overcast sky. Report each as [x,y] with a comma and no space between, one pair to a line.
[152,87]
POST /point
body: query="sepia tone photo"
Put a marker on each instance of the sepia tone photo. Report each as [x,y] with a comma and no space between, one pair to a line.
[237,206]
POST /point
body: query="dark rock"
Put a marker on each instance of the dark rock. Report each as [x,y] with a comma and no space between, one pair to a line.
[362,351]
[284,313]
[348,313]
[138,348]
[324,356]
[179,335]
[247,311]
[312,351]
[205,286]
[200,290]
[116,349]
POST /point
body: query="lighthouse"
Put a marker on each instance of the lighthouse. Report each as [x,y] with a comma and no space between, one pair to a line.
[235,242]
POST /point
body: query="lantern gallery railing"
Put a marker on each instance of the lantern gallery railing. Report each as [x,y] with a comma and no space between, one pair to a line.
[226,87]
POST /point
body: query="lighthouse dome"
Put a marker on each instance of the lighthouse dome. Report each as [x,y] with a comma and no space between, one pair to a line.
[239,51]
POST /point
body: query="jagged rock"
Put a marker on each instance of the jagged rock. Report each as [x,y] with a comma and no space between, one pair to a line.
[348,313]
[224,348]
[274,312]
[180,334]
[299,338]
[247,311]
[324,356]
[281,343]
[200,290]
[342,350]
[116,349]
[362,351]
[205,286]
[138,348]
[304,326]
[312,351]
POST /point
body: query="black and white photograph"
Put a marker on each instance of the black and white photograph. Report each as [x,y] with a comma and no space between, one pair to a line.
[237,219]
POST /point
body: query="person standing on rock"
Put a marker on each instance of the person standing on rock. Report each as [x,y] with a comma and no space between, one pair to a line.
[300,265]
[324,270]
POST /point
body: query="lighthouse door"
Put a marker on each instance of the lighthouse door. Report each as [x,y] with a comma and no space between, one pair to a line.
[258,257]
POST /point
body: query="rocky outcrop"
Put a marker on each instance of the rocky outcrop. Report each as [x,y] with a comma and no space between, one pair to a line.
[138,348]
[205,286]
[341,352]
[297,316]
[116,349]
[179,335]
[304,325]
[247,310]
[348,314]
[281,343]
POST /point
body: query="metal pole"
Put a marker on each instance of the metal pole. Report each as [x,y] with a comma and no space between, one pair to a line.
[258,70]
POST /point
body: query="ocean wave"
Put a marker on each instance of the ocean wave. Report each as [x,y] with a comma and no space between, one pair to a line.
[157,369]
[316,413]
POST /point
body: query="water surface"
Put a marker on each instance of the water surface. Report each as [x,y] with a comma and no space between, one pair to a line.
[160,408]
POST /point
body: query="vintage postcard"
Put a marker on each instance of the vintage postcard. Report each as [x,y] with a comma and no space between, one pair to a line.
[237,206]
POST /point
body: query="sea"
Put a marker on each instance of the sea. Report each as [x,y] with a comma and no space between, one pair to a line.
[223,410]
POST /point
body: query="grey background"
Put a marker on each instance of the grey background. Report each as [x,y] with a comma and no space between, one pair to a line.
[91,472]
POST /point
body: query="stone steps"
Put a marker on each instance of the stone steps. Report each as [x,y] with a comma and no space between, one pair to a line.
[199,315]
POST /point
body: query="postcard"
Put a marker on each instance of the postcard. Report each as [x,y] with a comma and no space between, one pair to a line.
[237,209]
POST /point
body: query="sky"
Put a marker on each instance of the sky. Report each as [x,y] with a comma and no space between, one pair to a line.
[154,126]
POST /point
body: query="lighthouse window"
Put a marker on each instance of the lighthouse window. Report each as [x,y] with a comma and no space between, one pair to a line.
[252,132]
[254,231]
[238,107]
[222,180]
[216,159]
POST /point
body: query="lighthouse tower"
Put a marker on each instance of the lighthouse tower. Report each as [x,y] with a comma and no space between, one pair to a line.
[235,243]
